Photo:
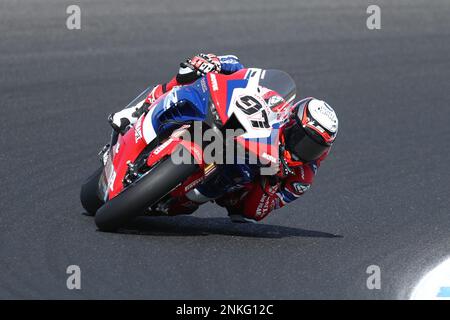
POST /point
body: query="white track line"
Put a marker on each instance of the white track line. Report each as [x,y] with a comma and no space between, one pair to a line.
[435,285]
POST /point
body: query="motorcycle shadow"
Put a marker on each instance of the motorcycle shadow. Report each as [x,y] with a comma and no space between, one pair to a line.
[194,226]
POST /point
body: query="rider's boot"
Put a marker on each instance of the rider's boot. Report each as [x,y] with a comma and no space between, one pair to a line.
[120,121]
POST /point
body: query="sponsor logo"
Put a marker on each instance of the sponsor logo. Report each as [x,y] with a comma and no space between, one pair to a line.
[193,184]
[162,147]
[327,112]
[203,84]
[324,115]
[274,100]
[301,187]
[214,83]
[137,131]
[263,206]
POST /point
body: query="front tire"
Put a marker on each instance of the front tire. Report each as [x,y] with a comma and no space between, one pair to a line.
[90,200]
[134,200]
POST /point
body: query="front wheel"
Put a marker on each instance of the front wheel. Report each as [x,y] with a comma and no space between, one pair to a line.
[142,194]
[89,197]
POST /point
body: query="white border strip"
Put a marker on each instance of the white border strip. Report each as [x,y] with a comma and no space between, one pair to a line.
[435,285]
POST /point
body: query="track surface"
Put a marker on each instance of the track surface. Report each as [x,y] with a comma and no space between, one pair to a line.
[382,197]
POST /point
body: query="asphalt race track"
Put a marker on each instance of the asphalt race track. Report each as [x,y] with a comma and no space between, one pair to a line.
[382,198]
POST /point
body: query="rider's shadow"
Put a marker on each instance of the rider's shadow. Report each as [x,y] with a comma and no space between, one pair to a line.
[194,226]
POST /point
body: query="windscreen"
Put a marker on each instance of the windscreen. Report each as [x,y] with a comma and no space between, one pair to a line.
[280,82]
[139,98]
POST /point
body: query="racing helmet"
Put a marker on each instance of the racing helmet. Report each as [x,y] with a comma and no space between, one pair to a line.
[311,130]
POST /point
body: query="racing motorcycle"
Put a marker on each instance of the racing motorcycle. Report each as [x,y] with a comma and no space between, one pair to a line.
[139,176]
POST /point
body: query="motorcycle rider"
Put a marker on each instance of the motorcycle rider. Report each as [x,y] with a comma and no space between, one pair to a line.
[306,140]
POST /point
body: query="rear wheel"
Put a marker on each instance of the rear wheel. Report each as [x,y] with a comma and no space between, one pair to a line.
[90,200]
[140,195]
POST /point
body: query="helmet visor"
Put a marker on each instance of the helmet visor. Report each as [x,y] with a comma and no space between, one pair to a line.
[302,146]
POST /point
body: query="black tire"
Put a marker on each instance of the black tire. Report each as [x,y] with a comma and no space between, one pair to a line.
[90,200]
[134,200]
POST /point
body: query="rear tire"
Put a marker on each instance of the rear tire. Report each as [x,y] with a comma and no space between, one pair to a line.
[134,200]
[90,200]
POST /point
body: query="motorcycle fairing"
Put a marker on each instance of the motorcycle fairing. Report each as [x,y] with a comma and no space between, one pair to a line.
[181,104]
[193,103]
[226,90]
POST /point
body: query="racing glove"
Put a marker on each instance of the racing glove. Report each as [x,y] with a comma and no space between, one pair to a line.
[197,66]
[229,64]
[193,68]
